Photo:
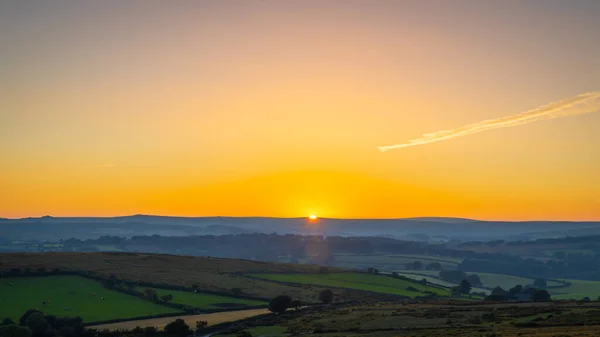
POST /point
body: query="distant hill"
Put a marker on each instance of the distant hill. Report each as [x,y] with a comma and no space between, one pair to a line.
[53,228]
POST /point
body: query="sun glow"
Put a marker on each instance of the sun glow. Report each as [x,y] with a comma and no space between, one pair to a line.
[312,217]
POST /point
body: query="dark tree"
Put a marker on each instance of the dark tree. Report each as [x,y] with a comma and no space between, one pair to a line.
[370,270]
[7,321]
[498,294]
[280,304]
[540,283]
[541,295]
[178,328]
[452,275]
[326,296]
[417,265]
[166,298]
[150,294]
[515,290]
[23,319]
[296,304]
[323,270]
[474,280]
[236,291]
[37,323]
[465,286]
[395,275]
[14,330]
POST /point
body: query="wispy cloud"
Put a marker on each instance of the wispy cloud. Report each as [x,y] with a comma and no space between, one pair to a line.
[578,105]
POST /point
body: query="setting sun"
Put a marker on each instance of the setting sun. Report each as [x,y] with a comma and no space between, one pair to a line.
[312,217]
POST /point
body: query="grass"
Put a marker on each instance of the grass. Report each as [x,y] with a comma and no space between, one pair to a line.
[437,281]
[82,297]
[550,252]
[433,258]
[212,274]
[578,290]
[367,282]
[264,331]
[390,262]
[205,301]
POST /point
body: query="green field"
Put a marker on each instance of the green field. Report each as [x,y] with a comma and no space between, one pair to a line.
[390,262]
[71,296]
[577,290]
[491,280]
[432,258]
[438,281]
[367,282]
[550,252]
[205,301]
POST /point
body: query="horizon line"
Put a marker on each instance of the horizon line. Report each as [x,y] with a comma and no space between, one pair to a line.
[284,218]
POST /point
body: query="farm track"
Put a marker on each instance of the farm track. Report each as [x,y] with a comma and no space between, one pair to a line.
[212,319]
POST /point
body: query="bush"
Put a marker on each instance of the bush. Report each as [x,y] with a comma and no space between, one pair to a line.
[178,328]
[280,304]
[37,323]
[326,296]
[14,330]
[7,321]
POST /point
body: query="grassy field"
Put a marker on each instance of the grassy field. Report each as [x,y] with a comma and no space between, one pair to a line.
[205,301]
[390,262]
[433,258]
[213,274]
[437,281]
[505,281]
[71,296]
[367,282]
[578,290]
[550,252]
[489,280]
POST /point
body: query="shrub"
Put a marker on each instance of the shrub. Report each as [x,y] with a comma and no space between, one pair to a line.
[280,304]
[178,328]
[326,296]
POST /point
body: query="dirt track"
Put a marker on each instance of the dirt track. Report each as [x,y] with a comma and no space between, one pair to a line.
[215,318]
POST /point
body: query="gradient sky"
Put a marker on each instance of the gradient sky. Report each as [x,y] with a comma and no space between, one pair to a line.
[276,108]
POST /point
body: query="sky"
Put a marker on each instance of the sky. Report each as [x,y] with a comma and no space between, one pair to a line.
[277,108]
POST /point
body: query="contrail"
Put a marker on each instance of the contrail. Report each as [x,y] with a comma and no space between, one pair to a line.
[578,105]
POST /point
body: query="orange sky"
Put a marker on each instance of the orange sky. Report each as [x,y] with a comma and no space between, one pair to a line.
[272,108]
